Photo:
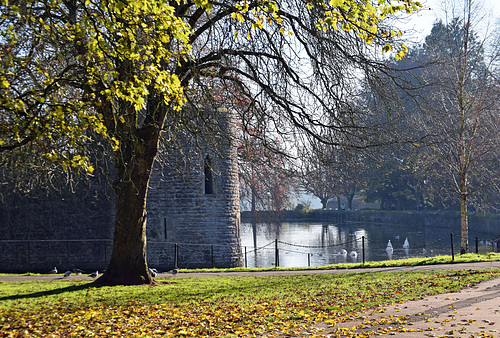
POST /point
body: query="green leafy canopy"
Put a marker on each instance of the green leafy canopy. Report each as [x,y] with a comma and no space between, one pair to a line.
[66,65]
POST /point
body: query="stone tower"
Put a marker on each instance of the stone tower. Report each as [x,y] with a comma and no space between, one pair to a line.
[195,209]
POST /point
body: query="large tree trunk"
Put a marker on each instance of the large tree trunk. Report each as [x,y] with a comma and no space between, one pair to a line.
[128,264]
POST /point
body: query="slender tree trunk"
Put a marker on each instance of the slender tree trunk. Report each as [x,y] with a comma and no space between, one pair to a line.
[464,247]
[338,203]
[253,206]
[324,202]
[350,197]
[128,264]
[254,219]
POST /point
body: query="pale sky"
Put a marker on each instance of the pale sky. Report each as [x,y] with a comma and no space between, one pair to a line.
[422,21]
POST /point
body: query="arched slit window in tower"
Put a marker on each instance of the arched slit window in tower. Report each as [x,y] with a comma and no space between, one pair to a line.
[209,177]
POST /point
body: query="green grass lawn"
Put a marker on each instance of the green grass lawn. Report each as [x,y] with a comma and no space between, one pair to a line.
[213,306]
[416,261]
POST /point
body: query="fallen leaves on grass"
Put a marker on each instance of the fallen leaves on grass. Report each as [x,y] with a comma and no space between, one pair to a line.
[276,312]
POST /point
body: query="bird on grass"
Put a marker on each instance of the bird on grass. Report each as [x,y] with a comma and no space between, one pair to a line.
[53,271]
[77,271]
[94,274]
[174,272]
[67,273]
[153,272]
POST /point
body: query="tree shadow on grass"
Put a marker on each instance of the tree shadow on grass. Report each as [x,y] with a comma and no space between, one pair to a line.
[50,292]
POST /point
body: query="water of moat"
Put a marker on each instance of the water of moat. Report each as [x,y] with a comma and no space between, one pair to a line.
[313,244]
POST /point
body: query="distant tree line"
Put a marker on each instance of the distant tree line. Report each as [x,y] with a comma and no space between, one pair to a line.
[442,101]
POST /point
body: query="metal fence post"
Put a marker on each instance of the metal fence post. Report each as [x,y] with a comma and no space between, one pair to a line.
[176,252]
[67,251]
[246,261]
[29,255]
[477,245]
[105,252]
[212,254]
[452,251]
[276,254]
[363,247]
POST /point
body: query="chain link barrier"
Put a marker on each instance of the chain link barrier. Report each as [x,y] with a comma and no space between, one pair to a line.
[413,247]
[211,250]
[424,248]
[319,246]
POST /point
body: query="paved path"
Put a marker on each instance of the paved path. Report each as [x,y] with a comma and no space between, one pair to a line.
[471,312]
[457,266]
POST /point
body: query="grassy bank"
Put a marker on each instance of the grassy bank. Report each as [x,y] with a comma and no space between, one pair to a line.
[214,306]
[466,258]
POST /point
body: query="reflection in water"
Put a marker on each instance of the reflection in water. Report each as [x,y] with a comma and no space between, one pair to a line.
[315,244]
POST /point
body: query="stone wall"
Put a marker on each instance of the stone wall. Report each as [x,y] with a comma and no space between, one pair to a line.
[42,255]
[85,212]
[75,230]
[63,229]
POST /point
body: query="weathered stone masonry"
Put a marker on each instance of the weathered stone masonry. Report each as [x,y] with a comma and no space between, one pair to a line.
[198,209]
[75,230]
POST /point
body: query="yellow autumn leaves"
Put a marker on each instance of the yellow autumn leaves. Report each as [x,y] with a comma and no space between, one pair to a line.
[362,17]
[297,305]
[139,35]
[74,61]
[61,68]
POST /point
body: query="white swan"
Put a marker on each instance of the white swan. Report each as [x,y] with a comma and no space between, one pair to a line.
[406,244]
[389,248]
